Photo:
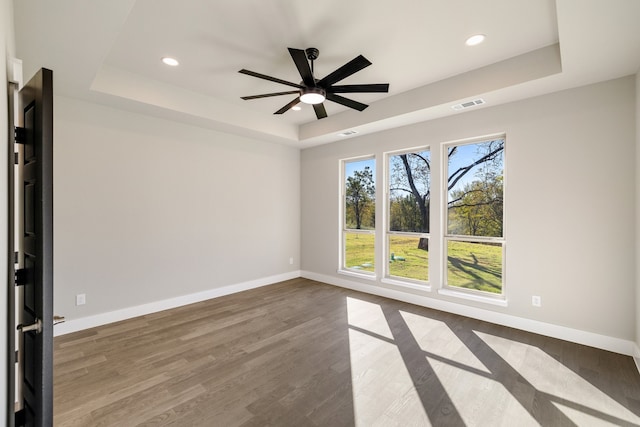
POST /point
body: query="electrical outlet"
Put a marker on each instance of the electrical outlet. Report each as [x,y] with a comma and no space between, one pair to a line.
[81,299]
[536,301]
[291,260]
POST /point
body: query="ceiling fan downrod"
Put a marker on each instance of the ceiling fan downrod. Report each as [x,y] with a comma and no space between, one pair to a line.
[312,55]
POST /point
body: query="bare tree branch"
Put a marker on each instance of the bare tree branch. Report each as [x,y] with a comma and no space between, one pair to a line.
[466,169]
[426,161]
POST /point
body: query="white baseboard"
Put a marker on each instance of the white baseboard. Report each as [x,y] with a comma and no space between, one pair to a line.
[75,325]
[591,339]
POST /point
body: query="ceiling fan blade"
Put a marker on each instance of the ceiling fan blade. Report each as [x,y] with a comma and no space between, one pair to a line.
[266,95]
[321,113]
[378,87]
[300,59]
[345,71]
[288,106]
[346,102]
[271,79]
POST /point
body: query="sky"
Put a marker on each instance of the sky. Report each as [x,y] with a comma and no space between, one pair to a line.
[466,154]
[350,167]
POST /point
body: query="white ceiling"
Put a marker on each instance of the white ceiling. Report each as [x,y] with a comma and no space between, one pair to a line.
[109,52]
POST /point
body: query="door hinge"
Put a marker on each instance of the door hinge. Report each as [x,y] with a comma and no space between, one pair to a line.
[16,257]
[17,359]
[16,158]
[20,135]
[20,277]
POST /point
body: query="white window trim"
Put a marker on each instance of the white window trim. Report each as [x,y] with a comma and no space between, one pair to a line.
[343,226]
[468,295]
[387,277]
[453,291]
[407,283]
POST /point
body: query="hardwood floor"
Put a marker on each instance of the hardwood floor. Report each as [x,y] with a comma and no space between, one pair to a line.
[302,353]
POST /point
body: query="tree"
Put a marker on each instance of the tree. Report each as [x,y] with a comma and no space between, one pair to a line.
[410,174]
[477,209]
[360,197]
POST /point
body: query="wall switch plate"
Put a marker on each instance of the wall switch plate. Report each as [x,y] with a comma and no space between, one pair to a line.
[536,301]
[291,260]
[81,299]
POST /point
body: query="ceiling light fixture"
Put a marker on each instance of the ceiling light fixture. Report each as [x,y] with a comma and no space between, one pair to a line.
[296,108]
[312,95]
[475,39]
[170,61]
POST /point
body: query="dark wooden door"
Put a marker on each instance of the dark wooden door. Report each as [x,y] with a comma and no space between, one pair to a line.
[36,275]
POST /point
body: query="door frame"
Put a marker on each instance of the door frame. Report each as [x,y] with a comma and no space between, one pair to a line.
[12,89]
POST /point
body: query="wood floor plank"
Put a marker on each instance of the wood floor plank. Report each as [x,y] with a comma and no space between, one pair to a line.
[303,353]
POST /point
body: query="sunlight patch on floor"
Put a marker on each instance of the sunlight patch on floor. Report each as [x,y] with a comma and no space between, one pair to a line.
[464,377]
[468,391]
[367,316]
[383,392]
[437,339]
[582,419]
[563,387]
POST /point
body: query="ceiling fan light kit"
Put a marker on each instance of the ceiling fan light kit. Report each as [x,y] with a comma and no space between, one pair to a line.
[313,95]
[315,91]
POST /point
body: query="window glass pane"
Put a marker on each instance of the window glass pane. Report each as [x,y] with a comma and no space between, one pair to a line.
[360,194]
[475,266]
[475,189]
[359,251]
[409,257]
[409,192]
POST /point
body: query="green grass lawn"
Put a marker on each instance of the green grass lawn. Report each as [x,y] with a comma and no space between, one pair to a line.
[360,252]
[469,265]
[408,261]
[474,266]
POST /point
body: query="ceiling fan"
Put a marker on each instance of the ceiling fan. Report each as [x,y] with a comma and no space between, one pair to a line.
[314,91]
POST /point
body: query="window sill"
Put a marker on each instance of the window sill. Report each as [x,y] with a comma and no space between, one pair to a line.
[473,297]
[408,285]
[366,276]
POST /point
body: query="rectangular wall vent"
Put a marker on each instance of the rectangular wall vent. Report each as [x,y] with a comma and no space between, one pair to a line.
[468,104]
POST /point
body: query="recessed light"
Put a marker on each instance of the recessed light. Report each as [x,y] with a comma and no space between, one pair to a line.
[170,61]
[475,39]
[296,108]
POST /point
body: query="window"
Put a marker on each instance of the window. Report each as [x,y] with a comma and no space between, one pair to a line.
[408,204]
[358,221]
[474,221]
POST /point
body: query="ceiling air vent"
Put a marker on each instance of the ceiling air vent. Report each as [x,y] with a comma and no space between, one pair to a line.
[348,133]
[468,104]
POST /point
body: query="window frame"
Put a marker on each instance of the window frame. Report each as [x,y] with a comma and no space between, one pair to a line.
[457,291]
[423,285]
[342,218]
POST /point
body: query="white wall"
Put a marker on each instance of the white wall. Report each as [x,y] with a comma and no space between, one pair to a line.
[570,161]
[147,210]
[7,50]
